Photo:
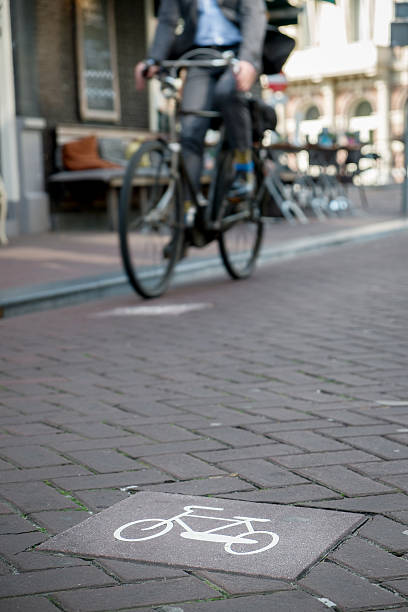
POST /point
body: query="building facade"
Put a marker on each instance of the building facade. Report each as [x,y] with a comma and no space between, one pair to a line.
[63,62]
[71,62]
[344,76]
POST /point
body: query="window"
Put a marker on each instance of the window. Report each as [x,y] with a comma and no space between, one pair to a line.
[309,24]
[363,109]
[360,20]
[97,62]
[312,114]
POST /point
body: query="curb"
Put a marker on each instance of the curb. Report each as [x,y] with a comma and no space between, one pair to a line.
[55,295]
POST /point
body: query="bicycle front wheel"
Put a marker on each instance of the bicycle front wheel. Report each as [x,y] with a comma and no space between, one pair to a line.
[241,228]
[150,220]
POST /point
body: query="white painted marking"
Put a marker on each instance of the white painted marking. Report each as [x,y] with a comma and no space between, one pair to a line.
[153,311]
[405,532]
[156,527]
[129,488]
[402,430]
[393,403]
[327,602]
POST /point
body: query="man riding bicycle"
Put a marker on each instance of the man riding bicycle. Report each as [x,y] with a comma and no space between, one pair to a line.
[224,25]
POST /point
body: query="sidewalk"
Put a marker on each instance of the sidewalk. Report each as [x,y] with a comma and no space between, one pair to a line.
[287,391]
[39,271]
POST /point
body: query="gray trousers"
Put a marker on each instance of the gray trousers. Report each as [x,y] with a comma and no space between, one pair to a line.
[212,89]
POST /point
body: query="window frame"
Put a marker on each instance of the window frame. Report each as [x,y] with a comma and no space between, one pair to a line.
[86,111]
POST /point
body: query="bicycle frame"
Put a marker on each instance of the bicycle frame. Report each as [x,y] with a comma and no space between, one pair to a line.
[178,168]
[210,535]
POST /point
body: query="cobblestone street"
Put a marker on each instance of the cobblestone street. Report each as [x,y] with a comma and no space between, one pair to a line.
[289,388]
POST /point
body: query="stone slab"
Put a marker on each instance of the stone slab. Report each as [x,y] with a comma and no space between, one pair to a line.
[193,532]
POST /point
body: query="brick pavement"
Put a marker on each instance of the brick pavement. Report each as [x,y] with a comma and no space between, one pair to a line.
[291,388]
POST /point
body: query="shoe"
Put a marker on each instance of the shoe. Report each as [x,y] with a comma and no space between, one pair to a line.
[241,189]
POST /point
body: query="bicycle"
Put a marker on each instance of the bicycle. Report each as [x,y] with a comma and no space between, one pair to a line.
[152,225]
[163,526]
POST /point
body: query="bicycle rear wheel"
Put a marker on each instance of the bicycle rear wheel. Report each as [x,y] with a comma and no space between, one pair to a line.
[241,227]
[150,220]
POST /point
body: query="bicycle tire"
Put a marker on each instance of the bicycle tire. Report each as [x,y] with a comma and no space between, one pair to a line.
[275,540]
[239,241]
[150,237]
[168,525]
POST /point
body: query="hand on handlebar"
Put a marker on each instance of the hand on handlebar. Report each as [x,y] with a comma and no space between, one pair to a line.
[144,72]
[245,74]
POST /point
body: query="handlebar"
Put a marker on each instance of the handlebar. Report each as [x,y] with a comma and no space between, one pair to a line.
[221,60]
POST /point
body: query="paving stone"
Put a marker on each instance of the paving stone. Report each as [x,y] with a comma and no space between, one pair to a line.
[273,427]
[10,546]
[28,604]
[183,466]
[262,473]
[165,432]
[234,436]
[386,532]
[358,431]
[31,429]
[105,460]
[383,468]
[152,593]
[45,581]
[136,572]
[56,521]
[102,481]
[399,585]
[36,496]
[99,430]
[398,481]
[235,584]
[99,499]
[5,569]
[399,516]
[312,532]
[33,456]
[293,601]
[310,441]
[5,465]
[15,524]
[217,485]
[333,458]
[347,590]
[288,495]
[42,473]
[193,446]
[369,560]
[377,445]
[345,480]
[34,560]
[248,452]
[370,503]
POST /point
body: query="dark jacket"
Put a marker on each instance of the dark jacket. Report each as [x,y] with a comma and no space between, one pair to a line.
[177,25]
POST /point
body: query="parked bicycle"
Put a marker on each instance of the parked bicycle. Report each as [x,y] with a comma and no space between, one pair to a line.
[249,542]
[153,226]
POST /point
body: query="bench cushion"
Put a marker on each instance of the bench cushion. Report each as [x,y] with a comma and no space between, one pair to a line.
[83,154]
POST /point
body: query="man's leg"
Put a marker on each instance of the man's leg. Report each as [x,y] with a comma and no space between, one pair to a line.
[198,94]
[234,108]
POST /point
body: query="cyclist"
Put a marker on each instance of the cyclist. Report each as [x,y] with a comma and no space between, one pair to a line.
[236,25]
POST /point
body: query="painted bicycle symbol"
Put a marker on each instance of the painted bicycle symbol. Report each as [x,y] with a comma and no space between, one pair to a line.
[249,542]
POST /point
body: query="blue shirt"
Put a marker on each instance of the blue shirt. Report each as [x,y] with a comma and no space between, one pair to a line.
[213,28]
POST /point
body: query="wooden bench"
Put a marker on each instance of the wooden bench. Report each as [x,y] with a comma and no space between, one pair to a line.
[111,178]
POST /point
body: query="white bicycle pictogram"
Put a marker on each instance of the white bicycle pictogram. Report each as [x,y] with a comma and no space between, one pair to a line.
[231,542]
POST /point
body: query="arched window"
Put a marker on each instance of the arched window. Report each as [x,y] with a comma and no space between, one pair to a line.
[363,109]
[312,114]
